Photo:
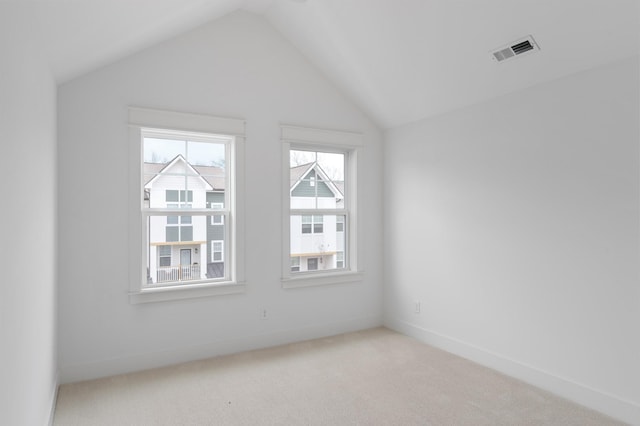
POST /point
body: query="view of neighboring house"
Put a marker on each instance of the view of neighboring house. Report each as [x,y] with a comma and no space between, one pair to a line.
[317,241]
[184,248]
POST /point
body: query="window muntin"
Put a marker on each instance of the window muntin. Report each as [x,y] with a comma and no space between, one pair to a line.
[318,209]
[182,172]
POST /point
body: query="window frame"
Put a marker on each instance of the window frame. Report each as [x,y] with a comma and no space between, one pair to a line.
[321,140]
[143,121]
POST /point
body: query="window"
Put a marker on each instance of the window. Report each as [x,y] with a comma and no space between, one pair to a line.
[217,251]
[164,256]
[320,182]
[184,177]
[217,219]
[312,224]
[295,264]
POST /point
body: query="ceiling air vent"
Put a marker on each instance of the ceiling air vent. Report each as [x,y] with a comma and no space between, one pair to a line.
[518,47]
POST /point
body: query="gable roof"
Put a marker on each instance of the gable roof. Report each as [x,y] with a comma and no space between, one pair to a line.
[298,173]
[209,175]
[213,176]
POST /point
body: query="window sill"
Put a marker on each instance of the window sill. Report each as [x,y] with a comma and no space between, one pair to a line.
[163,294]
[321,278]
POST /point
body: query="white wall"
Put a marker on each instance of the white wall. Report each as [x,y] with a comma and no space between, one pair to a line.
[235,67]
[28,215]
[515,224]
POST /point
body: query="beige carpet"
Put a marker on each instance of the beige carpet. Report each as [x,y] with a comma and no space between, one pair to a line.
[373,377]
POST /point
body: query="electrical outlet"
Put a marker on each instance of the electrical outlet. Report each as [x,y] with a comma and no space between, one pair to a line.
[416,308]
[263,314]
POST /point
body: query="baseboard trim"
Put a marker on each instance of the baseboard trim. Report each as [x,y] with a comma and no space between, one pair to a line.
[611,405]
[54,399]
[146,361]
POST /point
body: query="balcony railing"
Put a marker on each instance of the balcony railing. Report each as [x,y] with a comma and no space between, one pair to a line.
[178,273]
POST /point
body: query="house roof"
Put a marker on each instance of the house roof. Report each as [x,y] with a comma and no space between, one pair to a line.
[298,173]
[212,176]
[398,61]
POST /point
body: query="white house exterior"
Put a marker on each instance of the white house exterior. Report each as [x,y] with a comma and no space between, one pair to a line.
[179,246]
[185,248]
[317,241]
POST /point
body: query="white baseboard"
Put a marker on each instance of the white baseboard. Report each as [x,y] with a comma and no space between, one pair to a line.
[54,399]
[611,405]
[146,361]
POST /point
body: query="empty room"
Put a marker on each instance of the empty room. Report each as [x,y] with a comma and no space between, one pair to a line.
[320,212]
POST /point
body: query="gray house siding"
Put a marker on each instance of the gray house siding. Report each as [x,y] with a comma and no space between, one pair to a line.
[214,233]
[304,188]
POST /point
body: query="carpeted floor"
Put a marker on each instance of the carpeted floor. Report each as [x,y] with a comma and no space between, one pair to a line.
[373,377]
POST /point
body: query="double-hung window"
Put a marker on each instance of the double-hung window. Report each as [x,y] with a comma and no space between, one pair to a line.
[320,224]
[188,220]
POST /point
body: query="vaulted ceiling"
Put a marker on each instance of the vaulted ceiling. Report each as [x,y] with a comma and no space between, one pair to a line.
[398,60]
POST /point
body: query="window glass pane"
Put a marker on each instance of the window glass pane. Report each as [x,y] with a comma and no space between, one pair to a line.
[182,171]
[172,195]
[316,179]
[172,233]
[191,257]
[186,233]
[309,241]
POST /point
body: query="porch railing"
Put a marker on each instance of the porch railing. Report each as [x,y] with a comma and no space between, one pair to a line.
[177,273]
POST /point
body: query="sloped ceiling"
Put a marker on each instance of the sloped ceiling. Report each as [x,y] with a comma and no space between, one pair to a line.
[398,60]
[403,60]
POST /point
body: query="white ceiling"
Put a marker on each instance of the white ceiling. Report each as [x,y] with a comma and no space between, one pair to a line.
[398,60]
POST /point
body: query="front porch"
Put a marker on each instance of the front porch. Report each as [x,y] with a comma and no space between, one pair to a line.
[177,273]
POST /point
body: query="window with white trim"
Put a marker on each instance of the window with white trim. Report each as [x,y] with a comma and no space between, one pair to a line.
[217,219]
[217,251]
[295,264]
[184,177]
[164,256]
[312,224]
[320,237]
